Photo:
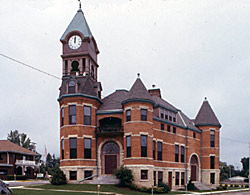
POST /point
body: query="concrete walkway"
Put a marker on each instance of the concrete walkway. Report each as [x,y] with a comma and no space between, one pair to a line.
[221,192]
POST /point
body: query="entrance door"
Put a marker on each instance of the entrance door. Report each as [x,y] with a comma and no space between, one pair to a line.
[170,180]
[193,172]
[110,164]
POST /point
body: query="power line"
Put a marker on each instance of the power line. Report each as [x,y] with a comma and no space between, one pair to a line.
[234,140]
[29,66]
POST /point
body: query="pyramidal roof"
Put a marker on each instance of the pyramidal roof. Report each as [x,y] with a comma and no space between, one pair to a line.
[206,116]
[78,23]
[139,91]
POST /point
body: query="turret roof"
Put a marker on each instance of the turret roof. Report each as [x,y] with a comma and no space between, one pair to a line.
[78,23]
[139,91]
[206,116]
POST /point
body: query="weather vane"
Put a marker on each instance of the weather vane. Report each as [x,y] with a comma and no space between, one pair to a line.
[80,6]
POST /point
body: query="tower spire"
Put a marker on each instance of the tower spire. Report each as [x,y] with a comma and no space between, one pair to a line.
[80,5]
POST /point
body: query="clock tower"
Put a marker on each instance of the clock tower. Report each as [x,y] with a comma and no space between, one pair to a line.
[79,99]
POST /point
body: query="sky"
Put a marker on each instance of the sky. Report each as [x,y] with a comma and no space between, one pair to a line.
[190,49]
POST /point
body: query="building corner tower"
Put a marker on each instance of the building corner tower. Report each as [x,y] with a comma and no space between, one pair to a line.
[80,96]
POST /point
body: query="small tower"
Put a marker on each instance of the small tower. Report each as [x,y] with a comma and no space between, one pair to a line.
[80,97]
[208,123]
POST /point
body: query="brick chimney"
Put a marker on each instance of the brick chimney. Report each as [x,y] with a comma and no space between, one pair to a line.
[156,92]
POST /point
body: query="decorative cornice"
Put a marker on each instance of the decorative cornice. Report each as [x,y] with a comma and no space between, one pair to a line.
[177,125]
[217,125]
[138,100]
[161,106]
[103,112]
[79,95]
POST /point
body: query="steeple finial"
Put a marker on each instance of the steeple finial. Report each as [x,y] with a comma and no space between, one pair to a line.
[138,75]
[80,5]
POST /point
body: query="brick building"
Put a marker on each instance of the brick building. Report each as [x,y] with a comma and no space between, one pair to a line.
[136,128]
[15,159]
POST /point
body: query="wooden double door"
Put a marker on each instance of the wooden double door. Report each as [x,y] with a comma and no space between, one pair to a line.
[110,163]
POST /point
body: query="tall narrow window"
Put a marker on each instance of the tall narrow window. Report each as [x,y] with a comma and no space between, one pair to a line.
[170,116]
[154,150]
[62,146]
[160,177]
[73,147]
[62,116]
[66,68]
[176,153]
[128,115]
[194,135]
[83,65]
[144,146]
[143,114]
[162,126]
[72,115]
[212,159]
[166,114]
[177,178]
[174,117]
[162,112]
[87,115]
[87,148]
[212,178]
[159,150]
[169,128]
[128,143]
[212,138]
[182,153]
[154,178]
[182,178]
[72,87]
[174,129]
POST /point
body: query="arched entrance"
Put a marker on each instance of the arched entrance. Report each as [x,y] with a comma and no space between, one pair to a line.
[110,157]
[194,168]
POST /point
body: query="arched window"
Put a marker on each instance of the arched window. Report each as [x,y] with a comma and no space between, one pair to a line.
[72,87]
[75,65]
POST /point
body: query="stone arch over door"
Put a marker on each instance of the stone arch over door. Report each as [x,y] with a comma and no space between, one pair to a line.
[194,168]
[110,157]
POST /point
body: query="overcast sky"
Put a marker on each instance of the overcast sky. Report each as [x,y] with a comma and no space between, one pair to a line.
[190,49]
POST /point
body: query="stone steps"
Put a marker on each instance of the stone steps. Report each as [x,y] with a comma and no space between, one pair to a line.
[201,186]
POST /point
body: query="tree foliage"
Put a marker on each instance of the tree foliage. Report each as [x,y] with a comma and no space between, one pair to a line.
[20,139]
[50,164]
[227,171]
[58,177]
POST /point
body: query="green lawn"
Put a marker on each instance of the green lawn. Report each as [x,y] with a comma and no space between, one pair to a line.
[93,187]
[39,192]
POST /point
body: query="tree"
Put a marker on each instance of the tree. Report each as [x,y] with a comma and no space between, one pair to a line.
[245,167]
[20,139]
[58,177]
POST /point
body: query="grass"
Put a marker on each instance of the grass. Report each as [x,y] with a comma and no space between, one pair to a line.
[45,192]
[93,187]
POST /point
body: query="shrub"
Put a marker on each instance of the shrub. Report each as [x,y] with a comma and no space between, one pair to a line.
[124,175]
[18,177]
[160,189]
[58,177]
[190,186]
[165,187]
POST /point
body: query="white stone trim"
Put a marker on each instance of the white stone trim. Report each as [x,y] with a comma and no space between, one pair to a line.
[139,122]
[77,159]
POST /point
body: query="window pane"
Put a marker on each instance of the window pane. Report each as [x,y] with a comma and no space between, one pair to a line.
[166,114]
[159,146]
[73,143]
[143,140]
[87,110]
[128,141]
[143,115]
[62,144]
[144,174]
[72,110]
[62,112]
[87,143]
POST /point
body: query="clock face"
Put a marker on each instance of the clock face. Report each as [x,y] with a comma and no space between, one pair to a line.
[75,42]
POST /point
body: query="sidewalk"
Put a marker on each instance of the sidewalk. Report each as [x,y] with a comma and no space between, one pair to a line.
[219,192]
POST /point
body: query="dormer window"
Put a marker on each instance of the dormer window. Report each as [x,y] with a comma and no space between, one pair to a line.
[72,87]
